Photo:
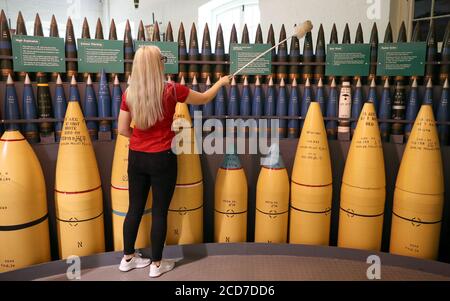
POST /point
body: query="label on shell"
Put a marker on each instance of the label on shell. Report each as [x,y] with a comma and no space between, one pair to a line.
[71,134]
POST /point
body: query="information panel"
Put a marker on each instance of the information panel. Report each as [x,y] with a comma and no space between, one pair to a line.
[38,54]
[348,59]
[95,55]
[241,54]
[401,59]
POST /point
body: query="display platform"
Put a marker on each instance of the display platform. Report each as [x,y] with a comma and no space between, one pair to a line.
[248,262]
[47,154]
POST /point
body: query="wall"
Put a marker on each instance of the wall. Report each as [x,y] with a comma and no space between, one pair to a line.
[401,11]
[62,9]
[326,12]
[175,11]
[277,12]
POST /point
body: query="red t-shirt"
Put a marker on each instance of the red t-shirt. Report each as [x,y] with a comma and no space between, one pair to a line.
[158,137]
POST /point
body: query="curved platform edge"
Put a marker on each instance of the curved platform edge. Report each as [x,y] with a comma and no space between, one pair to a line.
[198,251]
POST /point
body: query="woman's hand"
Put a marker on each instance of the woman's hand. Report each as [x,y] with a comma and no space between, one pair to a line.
[225,80]
[197,98]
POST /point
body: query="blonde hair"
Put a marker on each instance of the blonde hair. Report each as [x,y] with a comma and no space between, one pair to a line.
[145,92]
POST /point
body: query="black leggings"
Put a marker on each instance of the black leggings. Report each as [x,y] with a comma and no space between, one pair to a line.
[158,170]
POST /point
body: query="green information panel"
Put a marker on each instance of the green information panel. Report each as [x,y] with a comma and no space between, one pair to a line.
[169,50]
[95,55]
[348,59]
[241,54]
[401,59]
[38,54]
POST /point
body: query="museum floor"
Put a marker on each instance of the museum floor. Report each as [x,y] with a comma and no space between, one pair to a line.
[247,262]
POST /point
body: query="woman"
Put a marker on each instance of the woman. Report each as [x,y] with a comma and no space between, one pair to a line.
[151,102]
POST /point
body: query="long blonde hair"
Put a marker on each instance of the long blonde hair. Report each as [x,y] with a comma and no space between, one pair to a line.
[145,92]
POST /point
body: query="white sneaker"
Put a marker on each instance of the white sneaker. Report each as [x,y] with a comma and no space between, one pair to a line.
[164,266]
[136,262]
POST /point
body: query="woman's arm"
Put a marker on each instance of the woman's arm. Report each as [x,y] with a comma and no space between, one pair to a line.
[197,98]
[124,128]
